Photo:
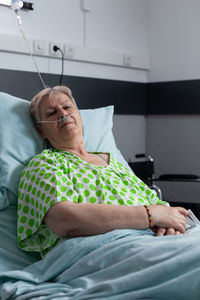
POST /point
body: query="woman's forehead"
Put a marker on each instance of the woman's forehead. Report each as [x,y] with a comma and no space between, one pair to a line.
[53,99]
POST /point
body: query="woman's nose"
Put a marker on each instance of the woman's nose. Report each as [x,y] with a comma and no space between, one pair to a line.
[62,112]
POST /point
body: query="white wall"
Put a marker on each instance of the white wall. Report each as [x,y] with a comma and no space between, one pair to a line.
[111,24]
[174,47]
[174,43]
[117,24]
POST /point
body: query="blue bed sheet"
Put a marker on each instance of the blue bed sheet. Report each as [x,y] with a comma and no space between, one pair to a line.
[11,257]
[122,264]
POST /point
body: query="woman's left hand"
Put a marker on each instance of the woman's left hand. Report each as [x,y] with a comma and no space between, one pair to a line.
[160,231]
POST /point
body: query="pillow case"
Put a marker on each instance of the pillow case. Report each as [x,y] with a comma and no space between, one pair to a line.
[19,141]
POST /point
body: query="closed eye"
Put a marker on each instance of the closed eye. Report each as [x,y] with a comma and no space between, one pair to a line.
[66,107]
[51,113]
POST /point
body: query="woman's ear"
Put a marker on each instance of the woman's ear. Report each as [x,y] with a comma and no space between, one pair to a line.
[41,132]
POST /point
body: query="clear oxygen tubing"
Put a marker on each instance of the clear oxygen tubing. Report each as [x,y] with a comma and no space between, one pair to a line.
[16,5]
[57,121]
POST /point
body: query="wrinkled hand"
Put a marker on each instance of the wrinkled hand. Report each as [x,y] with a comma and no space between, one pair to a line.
[168,220]
[160,231]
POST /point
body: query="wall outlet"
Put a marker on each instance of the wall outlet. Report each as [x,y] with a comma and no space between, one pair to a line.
[39,47]
[51,50]
[127,60]
[68,51]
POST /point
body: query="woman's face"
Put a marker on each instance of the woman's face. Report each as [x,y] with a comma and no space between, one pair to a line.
[53,109]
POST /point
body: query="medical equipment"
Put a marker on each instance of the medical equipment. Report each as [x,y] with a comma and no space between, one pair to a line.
[143,167]
[16,5]
[57,121]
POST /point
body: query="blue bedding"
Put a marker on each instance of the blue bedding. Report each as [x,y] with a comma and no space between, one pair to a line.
[122,264]
[11,257]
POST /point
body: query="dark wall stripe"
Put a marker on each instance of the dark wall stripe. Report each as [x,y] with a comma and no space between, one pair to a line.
[128,97]
[176,97]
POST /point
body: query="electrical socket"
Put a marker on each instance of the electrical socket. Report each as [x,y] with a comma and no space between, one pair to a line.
[68,51]
[51,50]
[127,60]
[39,47]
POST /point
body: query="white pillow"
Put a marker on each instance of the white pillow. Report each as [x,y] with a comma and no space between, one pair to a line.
[19,141]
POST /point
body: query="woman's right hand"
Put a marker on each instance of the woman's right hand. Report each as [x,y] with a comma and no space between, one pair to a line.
[169,217]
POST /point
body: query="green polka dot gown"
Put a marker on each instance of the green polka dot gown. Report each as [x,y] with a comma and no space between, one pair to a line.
[55,176]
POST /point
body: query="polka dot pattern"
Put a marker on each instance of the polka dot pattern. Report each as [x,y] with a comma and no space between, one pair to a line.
[55,176]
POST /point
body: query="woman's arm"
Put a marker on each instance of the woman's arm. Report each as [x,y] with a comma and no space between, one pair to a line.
[81,219]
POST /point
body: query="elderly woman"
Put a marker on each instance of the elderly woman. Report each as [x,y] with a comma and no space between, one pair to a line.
[61,188]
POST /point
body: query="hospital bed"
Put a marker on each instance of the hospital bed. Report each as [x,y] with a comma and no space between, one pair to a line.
[121,264]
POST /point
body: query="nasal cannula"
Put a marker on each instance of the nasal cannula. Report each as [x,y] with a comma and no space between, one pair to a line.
[57,121]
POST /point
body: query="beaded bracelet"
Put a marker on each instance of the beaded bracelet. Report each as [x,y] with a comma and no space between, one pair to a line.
[149,215]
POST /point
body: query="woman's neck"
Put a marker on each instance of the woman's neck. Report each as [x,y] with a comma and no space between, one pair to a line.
[74,146]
